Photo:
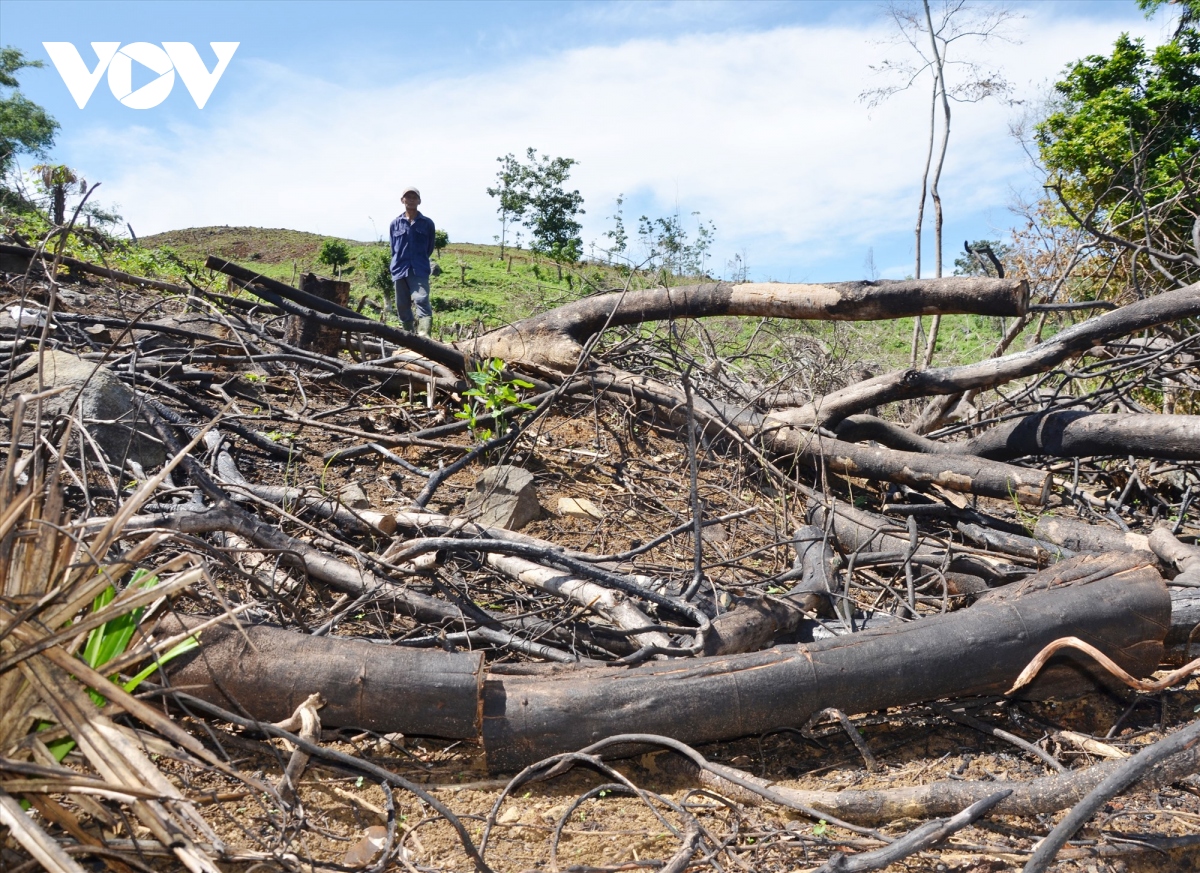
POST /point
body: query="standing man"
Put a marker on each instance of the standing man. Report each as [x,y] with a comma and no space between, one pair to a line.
[412,244]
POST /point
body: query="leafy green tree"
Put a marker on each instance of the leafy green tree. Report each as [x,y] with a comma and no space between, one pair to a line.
[670,246]
[441,239]
[335,254]
[375,264]
[1123,149]
[546,208]
[551,216]
[511,191]
[24,126]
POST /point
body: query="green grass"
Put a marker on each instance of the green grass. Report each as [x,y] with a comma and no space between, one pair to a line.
[491,291]
[488,291]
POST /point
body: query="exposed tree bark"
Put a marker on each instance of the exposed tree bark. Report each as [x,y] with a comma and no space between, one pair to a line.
[1067,433]
[964,474]
[268,672]
[1079,536]
[528,717]
[862,533]
[313,336]
[1117,602]
[1171,551]
[555,338]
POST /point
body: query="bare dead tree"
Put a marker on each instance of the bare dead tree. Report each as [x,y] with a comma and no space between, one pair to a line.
[930,35]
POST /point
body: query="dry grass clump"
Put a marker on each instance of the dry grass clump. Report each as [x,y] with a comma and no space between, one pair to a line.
[86,775]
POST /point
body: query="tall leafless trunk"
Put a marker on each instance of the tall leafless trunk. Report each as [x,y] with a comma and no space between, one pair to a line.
[916,337]
[939,90]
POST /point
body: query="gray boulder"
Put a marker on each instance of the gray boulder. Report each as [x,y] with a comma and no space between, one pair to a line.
[108,407]
[504,496]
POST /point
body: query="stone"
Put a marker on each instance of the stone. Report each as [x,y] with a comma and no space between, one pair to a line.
[579,507]
[99,333]
[69,300]
[504,496]
[107,405]
[193,322]
[352,495]
[362,853]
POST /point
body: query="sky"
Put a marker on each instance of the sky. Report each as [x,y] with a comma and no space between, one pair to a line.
[748,113]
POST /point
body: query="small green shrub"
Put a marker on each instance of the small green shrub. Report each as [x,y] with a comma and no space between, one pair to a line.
[492,395]
[112,639]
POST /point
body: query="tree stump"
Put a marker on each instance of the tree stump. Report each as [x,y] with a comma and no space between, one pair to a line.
[310,335]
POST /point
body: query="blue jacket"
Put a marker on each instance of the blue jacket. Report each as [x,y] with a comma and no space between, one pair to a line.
[412,244]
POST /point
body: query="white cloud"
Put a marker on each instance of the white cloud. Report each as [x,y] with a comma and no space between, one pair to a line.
[760,131]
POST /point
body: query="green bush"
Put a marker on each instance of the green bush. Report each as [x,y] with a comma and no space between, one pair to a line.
[335,254]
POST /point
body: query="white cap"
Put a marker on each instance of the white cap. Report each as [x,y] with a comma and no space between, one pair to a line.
[412,189]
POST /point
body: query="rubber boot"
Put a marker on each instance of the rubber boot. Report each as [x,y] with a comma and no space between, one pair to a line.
[424,326]
[407,326]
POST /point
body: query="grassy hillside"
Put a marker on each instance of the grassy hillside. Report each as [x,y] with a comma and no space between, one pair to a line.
[475,285]
[476,289]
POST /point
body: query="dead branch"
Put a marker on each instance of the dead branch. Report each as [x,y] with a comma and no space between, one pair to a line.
[906,384]
[1123,775]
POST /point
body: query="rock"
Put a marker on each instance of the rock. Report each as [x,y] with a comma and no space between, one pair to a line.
[579,507]
[193,322]
[352,495]
[69,300]
[99,333]
[367,848]
[108,407]
[504,496]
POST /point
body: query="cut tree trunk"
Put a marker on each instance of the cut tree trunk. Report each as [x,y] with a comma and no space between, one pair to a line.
[916,470]
[312,335]
[268,672]
[1116,602]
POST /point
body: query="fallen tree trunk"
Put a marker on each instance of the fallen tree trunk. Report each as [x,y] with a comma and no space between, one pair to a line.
[1117,599]
[1079,536]
[1116,602]
[26,254]
[556,338]
[1067,433]
[963,473]
[268,672]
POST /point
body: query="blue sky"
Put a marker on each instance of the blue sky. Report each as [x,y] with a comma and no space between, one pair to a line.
[747,112]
